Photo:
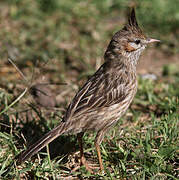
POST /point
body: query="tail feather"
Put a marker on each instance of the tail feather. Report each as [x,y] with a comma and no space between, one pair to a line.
[41,143]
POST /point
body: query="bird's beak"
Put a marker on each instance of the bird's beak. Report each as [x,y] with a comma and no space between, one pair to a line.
[152,40]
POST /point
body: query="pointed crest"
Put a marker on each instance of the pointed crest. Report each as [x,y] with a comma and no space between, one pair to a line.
[132,19]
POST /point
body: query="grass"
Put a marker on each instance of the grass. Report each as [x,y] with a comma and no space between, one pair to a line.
[65,42]
[144,145]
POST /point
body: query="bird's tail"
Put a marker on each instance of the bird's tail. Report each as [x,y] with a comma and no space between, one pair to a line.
[41,143]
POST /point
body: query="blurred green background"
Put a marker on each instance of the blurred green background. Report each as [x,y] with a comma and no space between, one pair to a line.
[78,30]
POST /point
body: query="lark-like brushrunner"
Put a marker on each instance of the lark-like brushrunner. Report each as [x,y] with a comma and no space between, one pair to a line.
[106,96]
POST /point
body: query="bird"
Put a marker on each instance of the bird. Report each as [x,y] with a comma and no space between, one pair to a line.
[106,95]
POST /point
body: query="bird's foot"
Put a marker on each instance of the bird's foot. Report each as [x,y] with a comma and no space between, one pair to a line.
[84,162]
[92,168]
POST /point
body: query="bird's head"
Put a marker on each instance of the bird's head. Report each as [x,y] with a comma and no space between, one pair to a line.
[129,41]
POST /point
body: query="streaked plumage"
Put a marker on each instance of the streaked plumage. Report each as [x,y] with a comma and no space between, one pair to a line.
[106,95]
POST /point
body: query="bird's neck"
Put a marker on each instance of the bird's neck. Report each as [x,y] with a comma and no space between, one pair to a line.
[129,59]
[132,57]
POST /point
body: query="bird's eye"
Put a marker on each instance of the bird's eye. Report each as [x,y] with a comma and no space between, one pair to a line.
[137,41]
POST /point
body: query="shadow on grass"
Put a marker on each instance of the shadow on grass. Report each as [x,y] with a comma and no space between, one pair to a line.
[30,130]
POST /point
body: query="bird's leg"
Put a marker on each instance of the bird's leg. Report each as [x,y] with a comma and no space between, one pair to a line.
[82,157]
[98,140]
[79,137]
[99,156]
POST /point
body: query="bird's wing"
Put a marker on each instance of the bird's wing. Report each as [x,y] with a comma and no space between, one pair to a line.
[103,89]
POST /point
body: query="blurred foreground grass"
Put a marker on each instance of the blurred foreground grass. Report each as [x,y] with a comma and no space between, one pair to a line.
[71,37]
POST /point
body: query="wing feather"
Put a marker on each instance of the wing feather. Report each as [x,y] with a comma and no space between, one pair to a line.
[103,89]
